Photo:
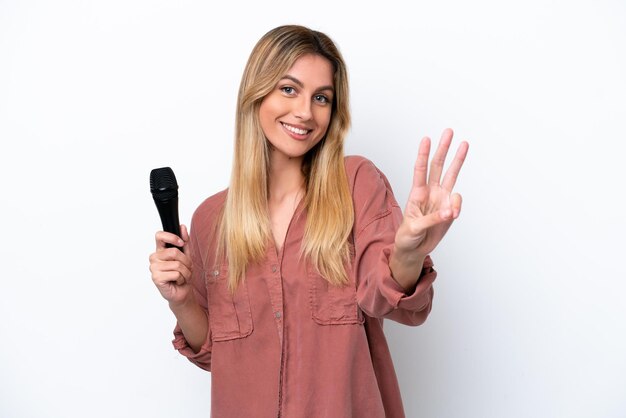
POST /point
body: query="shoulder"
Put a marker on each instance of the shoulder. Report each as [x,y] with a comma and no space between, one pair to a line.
[204,226]
[207,211]
[363,175]
[355,162]
[372,193]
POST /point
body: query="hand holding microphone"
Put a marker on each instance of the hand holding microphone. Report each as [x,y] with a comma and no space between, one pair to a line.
[171,268]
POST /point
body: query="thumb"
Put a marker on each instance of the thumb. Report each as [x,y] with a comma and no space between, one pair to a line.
[455,202]
[435,218]
[184,234]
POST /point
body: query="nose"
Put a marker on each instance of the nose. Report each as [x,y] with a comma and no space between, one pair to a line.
[302,108]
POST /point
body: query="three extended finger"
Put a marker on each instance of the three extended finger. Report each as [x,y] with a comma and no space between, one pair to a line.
[421,164]
[449,179]
[436,165]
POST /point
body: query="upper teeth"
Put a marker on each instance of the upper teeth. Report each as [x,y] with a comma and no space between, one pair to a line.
[295,130]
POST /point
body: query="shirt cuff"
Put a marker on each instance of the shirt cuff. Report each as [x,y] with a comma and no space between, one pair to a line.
[417,299]
[180,343]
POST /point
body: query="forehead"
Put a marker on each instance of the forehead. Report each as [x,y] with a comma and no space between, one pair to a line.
[312,70]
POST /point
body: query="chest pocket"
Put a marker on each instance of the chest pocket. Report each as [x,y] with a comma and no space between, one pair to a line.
[332,305]
[230,316]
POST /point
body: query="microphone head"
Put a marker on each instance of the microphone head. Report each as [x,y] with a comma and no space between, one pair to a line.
[163,185]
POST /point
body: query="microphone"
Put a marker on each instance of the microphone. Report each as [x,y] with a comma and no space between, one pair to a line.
[164,189]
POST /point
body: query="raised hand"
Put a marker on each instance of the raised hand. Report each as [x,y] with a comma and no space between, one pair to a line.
[171,268]
[432,206]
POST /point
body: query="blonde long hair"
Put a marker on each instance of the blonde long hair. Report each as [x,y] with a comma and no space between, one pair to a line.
[245,231]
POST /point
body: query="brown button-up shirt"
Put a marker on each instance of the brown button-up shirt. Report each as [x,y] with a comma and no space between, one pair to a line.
[288,344]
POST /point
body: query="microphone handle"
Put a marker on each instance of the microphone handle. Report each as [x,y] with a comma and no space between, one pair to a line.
[168,211]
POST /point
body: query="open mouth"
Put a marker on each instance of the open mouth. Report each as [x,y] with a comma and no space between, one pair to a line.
[294,130]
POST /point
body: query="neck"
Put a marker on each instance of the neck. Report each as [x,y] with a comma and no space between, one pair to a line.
[285,178]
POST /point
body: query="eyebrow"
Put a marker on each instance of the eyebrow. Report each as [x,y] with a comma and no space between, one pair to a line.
[299,83]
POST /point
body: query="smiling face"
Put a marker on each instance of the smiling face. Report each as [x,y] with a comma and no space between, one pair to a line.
[296,114]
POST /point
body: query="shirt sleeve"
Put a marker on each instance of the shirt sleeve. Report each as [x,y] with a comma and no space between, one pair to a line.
[377,218]
[203,357]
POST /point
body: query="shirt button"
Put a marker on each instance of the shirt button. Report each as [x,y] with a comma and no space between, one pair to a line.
[216,273]
[274,269]
[277,314]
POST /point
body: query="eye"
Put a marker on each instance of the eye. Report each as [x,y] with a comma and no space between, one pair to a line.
[288,90]
[320,98]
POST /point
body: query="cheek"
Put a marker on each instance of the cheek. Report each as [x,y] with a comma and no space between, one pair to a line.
[266,116]
[271,109]
[323,118]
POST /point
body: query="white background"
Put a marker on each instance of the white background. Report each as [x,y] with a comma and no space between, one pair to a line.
[529,313]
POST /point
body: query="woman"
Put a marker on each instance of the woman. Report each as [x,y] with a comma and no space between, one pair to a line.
[287,275]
